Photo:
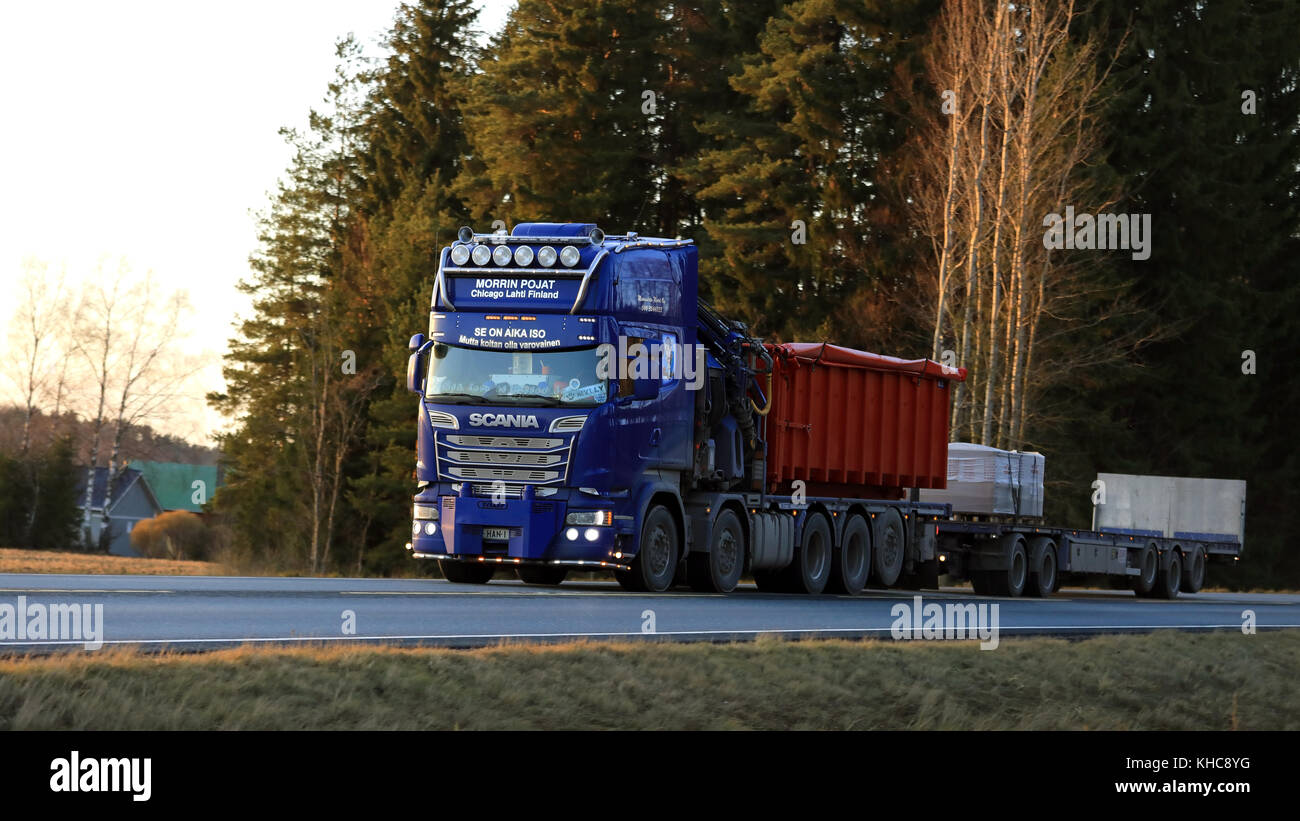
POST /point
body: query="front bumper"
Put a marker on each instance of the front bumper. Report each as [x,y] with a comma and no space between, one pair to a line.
[517,532]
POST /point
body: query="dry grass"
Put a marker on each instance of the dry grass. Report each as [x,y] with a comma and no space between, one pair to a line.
[66,561]
[1164,681]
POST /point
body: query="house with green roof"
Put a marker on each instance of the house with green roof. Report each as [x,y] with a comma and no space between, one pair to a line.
[180,486]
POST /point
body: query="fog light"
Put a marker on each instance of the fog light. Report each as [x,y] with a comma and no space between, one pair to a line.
[501,255]
[481,254]
[429,528]
[415,528]
[571,534]
[460,254]
[592,534]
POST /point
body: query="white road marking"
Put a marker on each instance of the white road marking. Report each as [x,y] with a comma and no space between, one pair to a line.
[608,634]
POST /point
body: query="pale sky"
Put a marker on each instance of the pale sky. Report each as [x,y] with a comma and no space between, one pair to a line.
[148,130]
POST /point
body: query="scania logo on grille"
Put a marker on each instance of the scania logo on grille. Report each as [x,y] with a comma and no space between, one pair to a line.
[503,420]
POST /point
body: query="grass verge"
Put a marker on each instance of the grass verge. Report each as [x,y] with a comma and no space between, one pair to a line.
[13,560]
[1162,681]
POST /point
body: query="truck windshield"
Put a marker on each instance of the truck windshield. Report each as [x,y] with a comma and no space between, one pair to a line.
[515,377]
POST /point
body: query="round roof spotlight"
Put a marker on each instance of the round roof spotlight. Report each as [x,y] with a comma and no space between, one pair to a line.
[481,255]
[523,255]
[569,256]
[546,256]
[597,236]
[501,255]
[465,234]
[460,254]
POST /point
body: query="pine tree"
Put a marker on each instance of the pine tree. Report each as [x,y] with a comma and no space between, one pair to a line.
[790,187]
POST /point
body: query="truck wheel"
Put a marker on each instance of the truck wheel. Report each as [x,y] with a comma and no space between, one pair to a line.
[1011,580]
[656,558]
[851,562]
[811,568]
[1194,571]
[718,571]
[888,548]
[1149,563]
[1042,568]
[466,573]
[551,574]
[1170,578]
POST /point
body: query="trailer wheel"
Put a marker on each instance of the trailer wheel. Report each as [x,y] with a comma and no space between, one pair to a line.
[889,548]
[1171,578]
[811,568]
[1149,563]
[550,574]
[656,558]
[1011,580]
[718,571]
[1194,571]
[465,573]
[1042,568]
[852,559]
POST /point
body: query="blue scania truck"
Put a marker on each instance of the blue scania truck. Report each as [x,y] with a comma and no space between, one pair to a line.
[581,408]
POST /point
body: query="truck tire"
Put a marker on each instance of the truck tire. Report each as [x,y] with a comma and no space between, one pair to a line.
[533,574]
[888,548]
[1194,571]
[655,564]
[811,569]
[1149,563]
[851,564]
[1011,580]
[1170,578]
[466,573]
[1042,568]
[718,571]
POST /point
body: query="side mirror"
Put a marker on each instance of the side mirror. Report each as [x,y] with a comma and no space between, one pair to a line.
[415,365]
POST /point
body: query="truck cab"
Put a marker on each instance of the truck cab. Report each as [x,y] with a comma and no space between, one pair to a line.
[556,402]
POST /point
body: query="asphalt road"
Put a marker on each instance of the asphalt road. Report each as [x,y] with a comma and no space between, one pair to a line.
[198,613]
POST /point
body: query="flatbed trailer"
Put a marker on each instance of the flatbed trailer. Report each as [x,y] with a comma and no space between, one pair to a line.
[910,545]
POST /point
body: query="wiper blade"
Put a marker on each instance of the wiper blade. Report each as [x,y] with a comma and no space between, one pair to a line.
[511,399]
[455,398]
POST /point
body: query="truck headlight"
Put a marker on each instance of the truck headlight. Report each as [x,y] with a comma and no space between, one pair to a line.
[523,255]
[569,256]
[481,254]
[501,256]
[590,517]
[423,512]
[546,256]
[460,254]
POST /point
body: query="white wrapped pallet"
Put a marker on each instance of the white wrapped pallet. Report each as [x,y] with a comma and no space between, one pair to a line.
[991,482]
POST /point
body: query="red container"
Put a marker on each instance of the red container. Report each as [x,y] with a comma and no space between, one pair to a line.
[850,423]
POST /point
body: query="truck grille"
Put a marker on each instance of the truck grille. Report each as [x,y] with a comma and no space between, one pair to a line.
[527,442]
[512,461]
[478,457]
[504,474]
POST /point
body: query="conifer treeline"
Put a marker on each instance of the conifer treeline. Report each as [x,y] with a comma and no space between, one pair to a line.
[742,125]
